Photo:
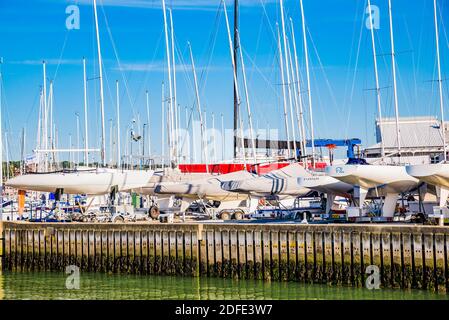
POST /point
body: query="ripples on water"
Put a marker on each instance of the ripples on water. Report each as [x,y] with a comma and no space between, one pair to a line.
[46,285]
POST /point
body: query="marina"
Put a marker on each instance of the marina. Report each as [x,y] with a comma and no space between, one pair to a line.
[282,161]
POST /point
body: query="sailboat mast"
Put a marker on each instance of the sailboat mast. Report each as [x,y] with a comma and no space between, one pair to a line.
[117,97]
[50,105]
[233,52]
[100,66]
[148,121]
[163,124]
[440,81]
[86,133]
[198,104]
[39,132]
[175,100]
[236,96]
[223,140]
[77,139]
[376,73]
[306,54]
[44,117]
[170,88]
[284,100]
[111,144]
[214,137]
[395,90]
[7,155]
[298,99]
[287,69]
[248,106]
[22,152]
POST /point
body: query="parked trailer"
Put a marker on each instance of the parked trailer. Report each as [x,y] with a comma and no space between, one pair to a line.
[303,208]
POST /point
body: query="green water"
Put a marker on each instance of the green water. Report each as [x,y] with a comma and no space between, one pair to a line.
[41,285]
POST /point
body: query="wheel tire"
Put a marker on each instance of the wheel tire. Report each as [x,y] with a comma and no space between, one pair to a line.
[308,215]
[118,219]
[225,215]
[154,212]
[238,215]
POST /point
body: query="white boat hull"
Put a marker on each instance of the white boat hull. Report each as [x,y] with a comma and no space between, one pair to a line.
[384,178]
[96,182]
[326,184]
[381,180]
[282,182]
[434,174]
[206,188]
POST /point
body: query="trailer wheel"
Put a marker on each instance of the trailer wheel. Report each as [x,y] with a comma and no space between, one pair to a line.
[154,212]
[238,215]
[225,215]
[118,219]
[301,215]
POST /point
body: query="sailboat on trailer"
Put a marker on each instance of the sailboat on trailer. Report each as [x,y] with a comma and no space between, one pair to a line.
[387,180]
[436,174]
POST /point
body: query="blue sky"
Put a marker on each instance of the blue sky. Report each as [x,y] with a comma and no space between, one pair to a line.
[339,47]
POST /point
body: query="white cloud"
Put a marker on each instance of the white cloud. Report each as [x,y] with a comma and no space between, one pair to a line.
[176,4]
[48,62]
[159,67]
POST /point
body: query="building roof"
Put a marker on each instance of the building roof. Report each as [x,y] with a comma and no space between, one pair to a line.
[417,132]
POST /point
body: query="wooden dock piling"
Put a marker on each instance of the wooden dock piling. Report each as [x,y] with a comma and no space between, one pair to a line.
[407,256]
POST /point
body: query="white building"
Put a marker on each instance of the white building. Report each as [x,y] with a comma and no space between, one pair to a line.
[421,140]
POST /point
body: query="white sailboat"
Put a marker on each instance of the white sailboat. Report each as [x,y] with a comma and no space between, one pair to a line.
[436,174]
[169,175]
[386,180]
[91,182]
[208,188]
[281,182]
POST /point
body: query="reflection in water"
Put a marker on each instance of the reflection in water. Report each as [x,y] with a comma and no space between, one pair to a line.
[41,285]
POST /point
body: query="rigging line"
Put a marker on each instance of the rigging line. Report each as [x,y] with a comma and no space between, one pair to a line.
[125,82]
[186,136]
[415,79]
[268,19]
[331,91]
[187,78]
[144,84]
[210,49]
[63,48]
[259,34]
[350,63]
[444,26]
[355,74]
[416,125]
[7,148]
[256,68]
[6,107]
[33,106]
[61,54]
[186,74]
